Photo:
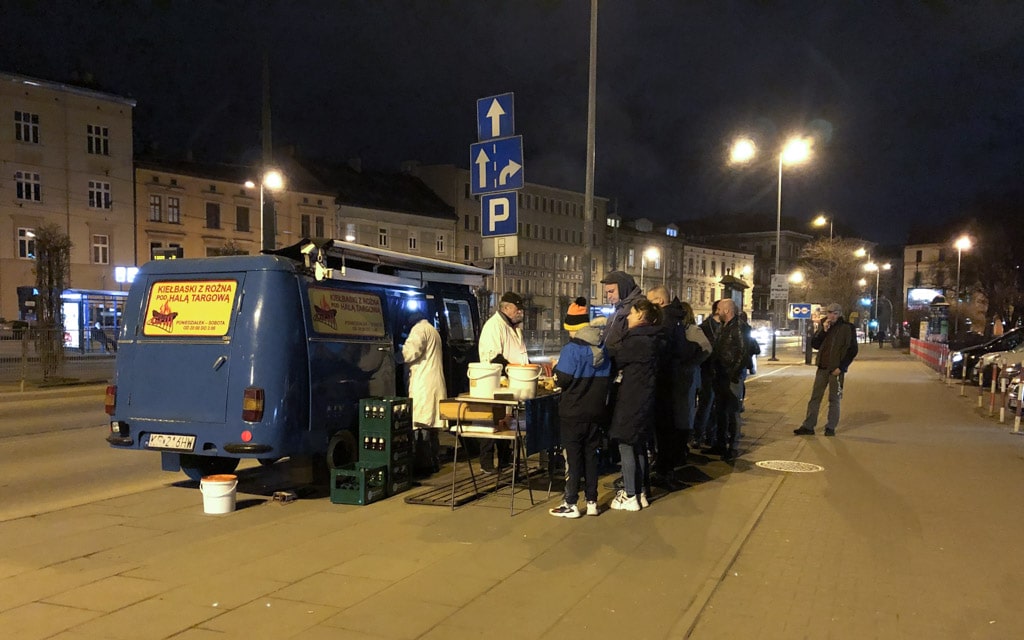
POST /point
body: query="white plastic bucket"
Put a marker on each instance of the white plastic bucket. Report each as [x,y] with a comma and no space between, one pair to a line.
[219,492]
[522,380]
[483,379]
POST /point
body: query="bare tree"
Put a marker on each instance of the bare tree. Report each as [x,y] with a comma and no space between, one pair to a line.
[832,271]
[53,268]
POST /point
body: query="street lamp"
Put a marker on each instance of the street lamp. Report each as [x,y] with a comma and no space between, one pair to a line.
[821,221]
[962,244]
[797,150]
[650,253]
[273,180]
[878,268]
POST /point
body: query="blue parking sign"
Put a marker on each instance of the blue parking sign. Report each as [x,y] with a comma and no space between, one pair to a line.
[499,214]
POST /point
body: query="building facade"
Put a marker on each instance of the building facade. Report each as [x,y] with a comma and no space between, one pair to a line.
[549,266]
[66,154]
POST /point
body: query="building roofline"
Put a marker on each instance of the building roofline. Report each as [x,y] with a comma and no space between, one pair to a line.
[66,88]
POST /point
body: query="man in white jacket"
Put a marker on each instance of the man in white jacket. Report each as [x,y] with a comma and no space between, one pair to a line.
[501,341]
[422,353]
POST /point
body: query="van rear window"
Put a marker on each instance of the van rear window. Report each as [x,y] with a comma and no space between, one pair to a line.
[349,313]
[190,308]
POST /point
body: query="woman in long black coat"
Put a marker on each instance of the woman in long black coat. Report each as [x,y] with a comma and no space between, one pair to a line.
[636,354]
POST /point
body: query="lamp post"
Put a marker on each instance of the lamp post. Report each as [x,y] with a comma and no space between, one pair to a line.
[272,180]
[962,243]
[797,150]
[872,266]
[650,253]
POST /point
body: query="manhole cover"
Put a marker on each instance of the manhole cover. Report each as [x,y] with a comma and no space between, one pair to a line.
[790,466]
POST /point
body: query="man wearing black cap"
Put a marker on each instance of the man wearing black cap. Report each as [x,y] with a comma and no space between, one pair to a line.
[501,342]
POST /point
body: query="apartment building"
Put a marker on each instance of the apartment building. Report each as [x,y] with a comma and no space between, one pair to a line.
[66,153]
[696,273]
[191,209]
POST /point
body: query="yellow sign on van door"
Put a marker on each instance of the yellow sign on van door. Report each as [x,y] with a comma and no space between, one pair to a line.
[346,313]
[190,308]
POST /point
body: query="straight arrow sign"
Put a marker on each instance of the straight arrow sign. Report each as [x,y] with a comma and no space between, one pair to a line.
[495,117]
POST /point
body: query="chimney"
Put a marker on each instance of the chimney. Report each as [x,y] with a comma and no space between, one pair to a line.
[356,164]
[411,168]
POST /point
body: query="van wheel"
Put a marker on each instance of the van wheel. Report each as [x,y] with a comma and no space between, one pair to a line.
[195,467]
[342,449]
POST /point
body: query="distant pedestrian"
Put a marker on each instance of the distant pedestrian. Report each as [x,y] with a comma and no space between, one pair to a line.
[583,373]
[836,342]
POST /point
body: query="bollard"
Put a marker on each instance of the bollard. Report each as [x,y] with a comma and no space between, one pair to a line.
[992,393]
[981,389]
[1016,418]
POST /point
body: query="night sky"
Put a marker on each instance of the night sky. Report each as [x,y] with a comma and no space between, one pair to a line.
[917,107]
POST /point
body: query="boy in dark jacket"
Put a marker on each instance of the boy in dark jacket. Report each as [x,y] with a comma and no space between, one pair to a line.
[582,371]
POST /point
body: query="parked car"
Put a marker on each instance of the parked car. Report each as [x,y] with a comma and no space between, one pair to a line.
[1013,390]
[969,356]
[987,363]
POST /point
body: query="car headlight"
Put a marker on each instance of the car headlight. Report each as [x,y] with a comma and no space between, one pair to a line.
[956,357]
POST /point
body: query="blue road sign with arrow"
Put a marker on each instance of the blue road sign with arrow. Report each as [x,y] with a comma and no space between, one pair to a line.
[495,117]
[496,165]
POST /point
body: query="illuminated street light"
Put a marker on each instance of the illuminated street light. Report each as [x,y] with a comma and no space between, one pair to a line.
[796,150]
[273,180]
[821,221]
[962,244]
[872,266]
[650,253]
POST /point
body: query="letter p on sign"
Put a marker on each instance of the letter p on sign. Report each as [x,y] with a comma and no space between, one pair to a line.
[499,213]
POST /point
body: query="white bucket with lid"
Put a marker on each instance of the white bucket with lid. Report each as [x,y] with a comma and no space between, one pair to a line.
[522,380]
[219,492]
[483,379]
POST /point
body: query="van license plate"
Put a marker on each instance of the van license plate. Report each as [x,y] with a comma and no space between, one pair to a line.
[167,441]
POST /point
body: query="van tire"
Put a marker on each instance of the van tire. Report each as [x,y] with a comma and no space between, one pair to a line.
[342,449]
[195,467]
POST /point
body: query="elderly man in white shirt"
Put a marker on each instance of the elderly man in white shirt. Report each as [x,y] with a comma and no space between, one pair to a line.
[501,341]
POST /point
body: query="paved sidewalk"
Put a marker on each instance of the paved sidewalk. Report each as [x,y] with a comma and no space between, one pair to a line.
[910,531]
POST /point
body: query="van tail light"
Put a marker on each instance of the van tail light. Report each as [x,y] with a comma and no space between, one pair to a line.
[252,404]
[111,400]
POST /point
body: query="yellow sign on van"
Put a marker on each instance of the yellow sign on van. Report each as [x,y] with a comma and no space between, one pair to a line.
[190,308]
[347,313]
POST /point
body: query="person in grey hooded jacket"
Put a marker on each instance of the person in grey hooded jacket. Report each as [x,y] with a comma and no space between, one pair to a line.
[621,292]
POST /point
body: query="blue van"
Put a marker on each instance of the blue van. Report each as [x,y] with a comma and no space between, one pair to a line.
[267,356]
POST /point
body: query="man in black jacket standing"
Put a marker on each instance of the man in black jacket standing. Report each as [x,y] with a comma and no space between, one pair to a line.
[836,342]
[728,358]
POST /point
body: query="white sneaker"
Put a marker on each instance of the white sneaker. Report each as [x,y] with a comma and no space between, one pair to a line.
[565,510]
[623,503]
[592,509]
[644,502]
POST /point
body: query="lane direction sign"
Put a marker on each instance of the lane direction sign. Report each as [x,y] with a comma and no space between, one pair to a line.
[497,165]
[495,117]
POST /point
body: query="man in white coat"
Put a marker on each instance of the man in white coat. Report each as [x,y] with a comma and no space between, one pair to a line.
[501,341]
[422,352]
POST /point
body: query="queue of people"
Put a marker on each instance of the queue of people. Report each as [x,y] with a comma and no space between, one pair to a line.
[646,383]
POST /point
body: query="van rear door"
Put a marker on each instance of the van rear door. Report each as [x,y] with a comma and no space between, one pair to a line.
[181,354]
